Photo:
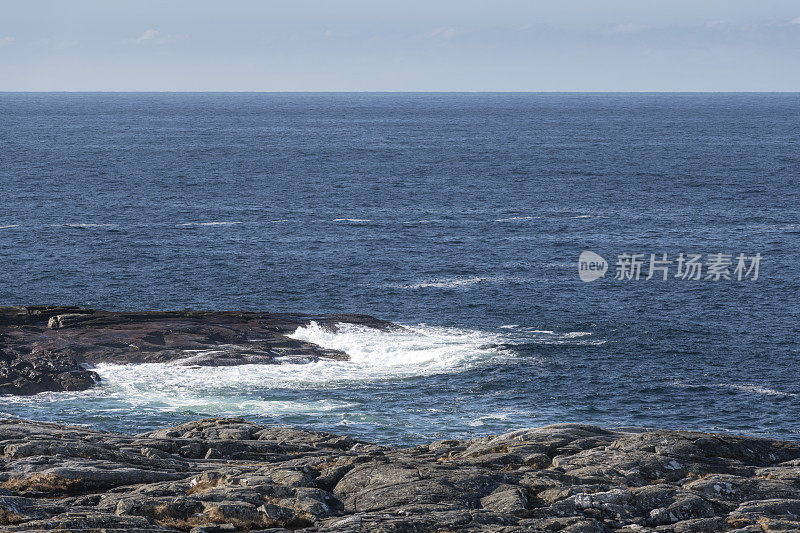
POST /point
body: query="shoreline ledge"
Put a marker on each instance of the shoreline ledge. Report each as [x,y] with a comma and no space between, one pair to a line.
[227,474]
[48,348]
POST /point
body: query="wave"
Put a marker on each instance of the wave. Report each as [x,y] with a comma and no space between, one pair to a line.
[456,282]
[446,283]
[755,389]
[352,220]
[738,387]
[224,223]
[260,389]
[86,225]
[9,226]
[777,227]
[413,350]
[574,334]
[513,219]
[529,335]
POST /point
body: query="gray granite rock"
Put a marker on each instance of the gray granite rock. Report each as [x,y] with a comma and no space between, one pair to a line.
[273,479]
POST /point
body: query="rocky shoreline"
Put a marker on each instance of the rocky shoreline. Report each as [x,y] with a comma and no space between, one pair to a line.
[51,348]
[232,475]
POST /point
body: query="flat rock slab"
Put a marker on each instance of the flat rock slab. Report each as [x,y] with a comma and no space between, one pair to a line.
[228,474]
[46,348]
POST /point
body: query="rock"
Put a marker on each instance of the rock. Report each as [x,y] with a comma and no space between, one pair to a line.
[48,348]
[228,474]
[506,499]
[69,319]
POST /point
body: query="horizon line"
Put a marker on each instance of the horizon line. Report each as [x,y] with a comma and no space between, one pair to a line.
[394,92]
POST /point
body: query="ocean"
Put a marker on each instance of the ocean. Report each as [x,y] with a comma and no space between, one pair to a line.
[460,216]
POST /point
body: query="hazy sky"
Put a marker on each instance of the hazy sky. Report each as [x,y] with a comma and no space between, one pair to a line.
[408,45]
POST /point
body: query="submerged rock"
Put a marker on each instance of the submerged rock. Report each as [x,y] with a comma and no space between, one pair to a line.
[48,348]
[227,474]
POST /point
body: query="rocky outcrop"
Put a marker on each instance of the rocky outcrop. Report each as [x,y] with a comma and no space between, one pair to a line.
[229,474]
[49,348]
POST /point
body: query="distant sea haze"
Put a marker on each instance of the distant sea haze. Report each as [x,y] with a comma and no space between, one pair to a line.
[461,216]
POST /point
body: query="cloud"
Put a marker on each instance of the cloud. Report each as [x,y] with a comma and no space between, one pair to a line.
[628,27]
[6,40]
[444,32]
[155,37]
[795,21]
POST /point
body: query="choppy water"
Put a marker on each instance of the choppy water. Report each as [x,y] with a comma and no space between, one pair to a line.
[461,216]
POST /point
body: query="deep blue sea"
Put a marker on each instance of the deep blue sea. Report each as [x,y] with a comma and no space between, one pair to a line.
[461,216]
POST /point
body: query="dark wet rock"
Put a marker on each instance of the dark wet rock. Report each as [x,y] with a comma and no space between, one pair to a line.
[233,475]
[48,348]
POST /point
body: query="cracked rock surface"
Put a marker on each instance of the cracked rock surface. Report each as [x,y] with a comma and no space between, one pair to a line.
[232,475]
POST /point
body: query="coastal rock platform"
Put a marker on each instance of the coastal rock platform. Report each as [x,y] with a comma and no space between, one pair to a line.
[48,348]
[221,474]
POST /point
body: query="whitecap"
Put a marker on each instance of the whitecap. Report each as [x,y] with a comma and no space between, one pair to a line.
[186,224]
[413,350]
[756,389]
[456,282]
[550,337]
[741,387]
[512,219]
[446,283]
[87,225]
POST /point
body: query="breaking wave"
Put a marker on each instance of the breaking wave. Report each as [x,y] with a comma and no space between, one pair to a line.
[191,224]
[261,389]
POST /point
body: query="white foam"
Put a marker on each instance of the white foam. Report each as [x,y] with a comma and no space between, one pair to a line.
[756,389]
[456,282]
[9,226]
[259,389]
[513,219]
[87,225]
[352,220]
[742,387]
[210,223]
[445,283]
[415,350]
[550,337]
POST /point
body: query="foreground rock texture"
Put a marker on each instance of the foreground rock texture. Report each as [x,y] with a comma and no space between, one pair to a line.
[229,474]
[46,348]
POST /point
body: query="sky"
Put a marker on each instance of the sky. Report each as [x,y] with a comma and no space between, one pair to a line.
[409,45]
